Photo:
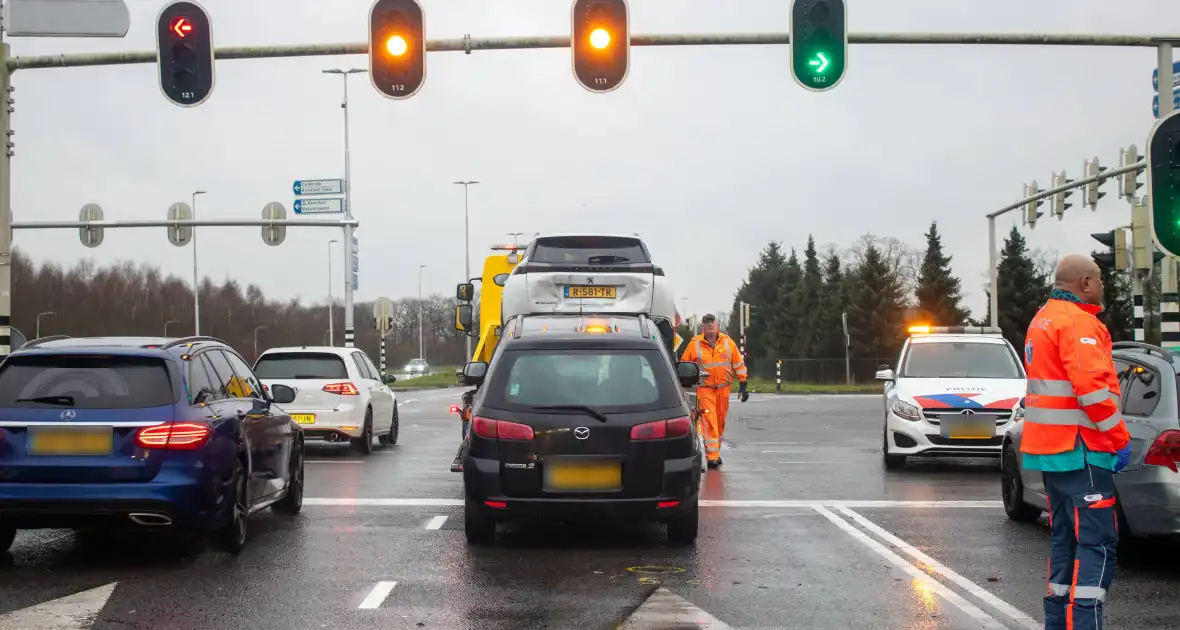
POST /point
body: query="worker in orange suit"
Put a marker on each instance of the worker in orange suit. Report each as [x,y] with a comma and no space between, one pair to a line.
[1075,435]
[721,361]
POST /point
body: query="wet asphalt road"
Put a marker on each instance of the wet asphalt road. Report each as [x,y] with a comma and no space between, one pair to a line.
[803,529]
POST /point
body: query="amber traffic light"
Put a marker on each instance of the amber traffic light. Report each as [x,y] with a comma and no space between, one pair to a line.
[184,53]
[601,43]
[397,47]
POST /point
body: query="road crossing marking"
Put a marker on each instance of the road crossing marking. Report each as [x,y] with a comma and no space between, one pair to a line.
[436,522]
[377,595]
[333,461]
[72,612]
[931,584]
[665,609]
[391,502]
[967,585]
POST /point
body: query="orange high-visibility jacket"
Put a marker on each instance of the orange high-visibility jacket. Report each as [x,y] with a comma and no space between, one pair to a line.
[1072,384]
[722,361]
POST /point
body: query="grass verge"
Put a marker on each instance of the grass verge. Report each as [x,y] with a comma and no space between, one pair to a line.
[766,386]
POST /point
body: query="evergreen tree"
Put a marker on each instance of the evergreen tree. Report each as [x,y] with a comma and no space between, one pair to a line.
[1117,314]
[806,298]
[1022,289]
[833,302]
[763,290]
[939,291]
[788,324]
[876,308]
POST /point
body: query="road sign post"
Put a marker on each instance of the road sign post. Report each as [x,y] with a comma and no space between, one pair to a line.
[320,205]
[383,316]
[180,235]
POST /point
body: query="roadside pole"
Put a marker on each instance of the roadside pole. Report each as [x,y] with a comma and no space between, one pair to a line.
[5,204]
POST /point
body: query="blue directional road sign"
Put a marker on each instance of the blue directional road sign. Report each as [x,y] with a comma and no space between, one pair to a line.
[1155,76]
[1155,102]
[318,187]
[322,205]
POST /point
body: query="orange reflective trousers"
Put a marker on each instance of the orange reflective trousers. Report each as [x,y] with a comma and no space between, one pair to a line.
[714,402]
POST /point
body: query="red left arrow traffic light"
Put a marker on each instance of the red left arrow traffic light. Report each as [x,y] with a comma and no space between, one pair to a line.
[181,26]
[184,53]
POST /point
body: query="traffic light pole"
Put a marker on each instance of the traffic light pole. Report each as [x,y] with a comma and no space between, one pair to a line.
[5,203]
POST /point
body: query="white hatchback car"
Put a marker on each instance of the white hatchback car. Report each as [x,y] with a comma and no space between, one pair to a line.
[339,394]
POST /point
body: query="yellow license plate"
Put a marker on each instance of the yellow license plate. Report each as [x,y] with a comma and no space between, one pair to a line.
[607,293]
[71,441]
[583,476]
[303,418]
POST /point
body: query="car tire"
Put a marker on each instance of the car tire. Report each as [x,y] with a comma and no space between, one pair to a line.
[364,444]
[892,462]
[682,529]
[292,502]
[391,438]
[1012,489]
[7,535]
[478,524]
[235,531]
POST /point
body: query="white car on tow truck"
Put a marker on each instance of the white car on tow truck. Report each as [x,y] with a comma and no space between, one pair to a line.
[955,393]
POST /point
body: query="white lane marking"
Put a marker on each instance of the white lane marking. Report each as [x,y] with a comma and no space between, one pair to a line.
[72,612]
[436,522]
[986,620]
[824,463]
[776,443]
[790,450]
[665,609]
[332,461]
[978,591]
[377,595]
[390,502]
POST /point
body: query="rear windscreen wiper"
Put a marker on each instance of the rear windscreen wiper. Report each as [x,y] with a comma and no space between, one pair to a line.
[50,400]
[590,411]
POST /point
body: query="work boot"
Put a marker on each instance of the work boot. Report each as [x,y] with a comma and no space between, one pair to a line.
[713,463]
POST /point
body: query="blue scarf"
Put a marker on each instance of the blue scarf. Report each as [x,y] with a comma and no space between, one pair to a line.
[1062,294]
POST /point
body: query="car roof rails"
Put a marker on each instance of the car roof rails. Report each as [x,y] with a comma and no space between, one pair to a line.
[182,341]
[40,340]
[1146,348]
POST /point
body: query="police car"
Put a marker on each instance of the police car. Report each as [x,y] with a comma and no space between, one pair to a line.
[955,393]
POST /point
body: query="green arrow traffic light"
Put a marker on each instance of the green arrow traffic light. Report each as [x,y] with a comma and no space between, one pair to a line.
[819,43]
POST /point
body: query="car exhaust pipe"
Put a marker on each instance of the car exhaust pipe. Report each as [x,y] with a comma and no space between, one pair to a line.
[332,437]
[148,519]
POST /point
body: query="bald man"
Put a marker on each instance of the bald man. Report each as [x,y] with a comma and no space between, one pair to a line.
[1075,435]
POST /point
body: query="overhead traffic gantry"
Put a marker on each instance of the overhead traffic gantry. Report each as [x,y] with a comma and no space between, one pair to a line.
[600,43]
[397,47]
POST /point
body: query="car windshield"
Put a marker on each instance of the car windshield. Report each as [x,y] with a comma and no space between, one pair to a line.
[85,382]
[300,365]
[609,381]
[960,360]
[589,250]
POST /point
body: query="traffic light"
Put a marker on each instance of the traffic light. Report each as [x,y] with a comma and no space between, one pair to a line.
[1163,182]
[819,43]
[600,33]
[1092,194]
[1031,212]
[397,47]
[1129,183]
[184,53]
[1119,258]
[1060,201]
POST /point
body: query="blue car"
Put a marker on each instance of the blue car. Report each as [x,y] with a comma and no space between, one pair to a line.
[170,434]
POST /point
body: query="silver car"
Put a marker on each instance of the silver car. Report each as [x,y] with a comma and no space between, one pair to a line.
[1148,489]
[417,367]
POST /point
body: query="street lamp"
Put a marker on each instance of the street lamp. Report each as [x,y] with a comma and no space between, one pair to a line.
[421,311]
[196,280]
[39,315]
[256,329]
[348,321]
[171,321]
[514,236]
[466,247]
[331,330]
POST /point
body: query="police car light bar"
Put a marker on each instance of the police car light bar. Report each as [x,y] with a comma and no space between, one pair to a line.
[954,330]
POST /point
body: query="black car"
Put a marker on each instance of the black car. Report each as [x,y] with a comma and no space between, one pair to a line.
[579,415]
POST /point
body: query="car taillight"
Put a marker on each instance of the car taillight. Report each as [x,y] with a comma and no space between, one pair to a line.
[501,429]
[662,429]
[343,389]
[454,408]
[174,436]
[1165,452]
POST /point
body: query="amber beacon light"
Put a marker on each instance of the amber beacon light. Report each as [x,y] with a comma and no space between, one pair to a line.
[601,43]
[397,47]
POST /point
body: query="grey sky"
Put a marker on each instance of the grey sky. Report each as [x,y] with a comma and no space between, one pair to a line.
[705,152]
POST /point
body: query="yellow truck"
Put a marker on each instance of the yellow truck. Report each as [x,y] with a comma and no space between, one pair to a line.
[495,273]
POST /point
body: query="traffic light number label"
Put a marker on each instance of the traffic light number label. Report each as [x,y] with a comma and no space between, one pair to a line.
[188,96]
[820,79]
[398,87]
[601,81]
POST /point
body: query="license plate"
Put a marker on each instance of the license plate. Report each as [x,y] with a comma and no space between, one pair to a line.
[303,418]
[605,293]
[583,476]
[97,441]
[979,426]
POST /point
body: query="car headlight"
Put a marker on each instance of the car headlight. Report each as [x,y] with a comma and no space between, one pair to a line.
[906,410]
[1018,413]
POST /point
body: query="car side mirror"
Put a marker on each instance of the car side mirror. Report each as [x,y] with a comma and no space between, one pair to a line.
[474,372]
[282,394]
[501,279]
[390,379]
[465,292]
[885,374]
[463,317]
[688,372]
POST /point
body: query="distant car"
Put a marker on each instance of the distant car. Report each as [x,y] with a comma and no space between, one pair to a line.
[1148,489]
[955,393]
[581,417]
[172,434]
[417,367]
[340,396]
